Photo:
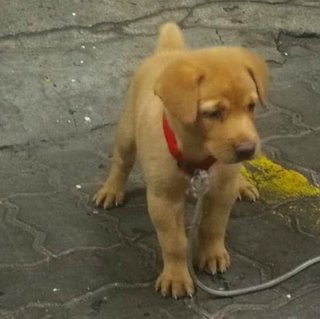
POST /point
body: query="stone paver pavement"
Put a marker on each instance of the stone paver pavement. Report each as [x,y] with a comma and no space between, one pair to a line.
[64,69]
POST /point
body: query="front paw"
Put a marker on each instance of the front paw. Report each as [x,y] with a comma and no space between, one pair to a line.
[213,258]
[176,282]
[247,191]
[109,195]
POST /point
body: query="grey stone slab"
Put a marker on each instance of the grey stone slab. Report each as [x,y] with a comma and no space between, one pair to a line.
[75,163]
[304,216]
[39,17]
[272,242]
[20,174]
[257,16]
[134,220]
[57,282]
[311,3]
[243,272]
[297,69]
[301,151]
[65,224]
[300,98]
[262,43]
[302,307]
[298,46]
[87,154]
[62,87]
[207,306]
[277,124]
[198,37]
[244,209]
[30,314]
[16,244]
[124,304]
[64,96]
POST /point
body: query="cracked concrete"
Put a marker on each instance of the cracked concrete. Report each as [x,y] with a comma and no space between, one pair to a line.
[65,68]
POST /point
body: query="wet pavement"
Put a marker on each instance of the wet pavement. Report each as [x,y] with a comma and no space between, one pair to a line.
[64,69]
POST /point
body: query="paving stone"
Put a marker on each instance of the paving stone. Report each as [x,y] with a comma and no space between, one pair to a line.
[300,98]
[15,245]
[303,307]
[21,175]
[262,43]
[57,282]
[304,216]
[64,224]
[135,208]
[61,98]
[274,245]
[122,304]
[46,15]
[243,272]
[277,124]
[64,73]
[244,209]
[70,160]
[295,69]
[256,16]
[198,37]
[297,149]
[30,314]
[298,46]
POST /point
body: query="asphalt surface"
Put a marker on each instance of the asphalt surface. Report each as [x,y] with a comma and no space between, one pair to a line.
[64,67]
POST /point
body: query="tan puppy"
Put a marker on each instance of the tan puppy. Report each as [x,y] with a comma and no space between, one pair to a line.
[207,97]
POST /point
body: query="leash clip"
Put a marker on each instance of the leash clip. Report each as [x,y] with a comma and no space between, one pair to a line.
[199,183]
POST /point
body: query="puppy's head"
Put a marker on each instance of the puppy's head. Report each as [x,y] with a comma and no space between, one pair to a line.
[214,93]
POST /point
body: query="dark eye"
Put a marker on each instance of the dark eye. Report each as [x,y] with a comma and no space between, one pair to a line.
[251,107]
[217,114]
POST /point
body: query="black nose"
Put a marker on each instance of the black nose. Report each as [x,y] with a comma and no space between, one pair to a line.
[245,150]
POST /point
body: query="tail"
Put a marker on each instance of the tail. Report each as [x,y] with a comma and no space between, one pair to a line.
[170,38]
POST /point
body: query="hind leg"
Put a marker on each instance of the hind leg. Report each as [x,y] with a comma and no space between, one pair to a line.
[112,192]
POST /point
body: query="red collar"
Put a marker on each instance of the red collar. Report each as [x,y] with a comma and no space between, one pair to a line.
[187,166]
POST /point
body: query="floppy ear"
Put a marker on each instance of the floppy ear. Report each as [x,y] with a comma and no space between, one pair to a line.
[259,73]
[178,88]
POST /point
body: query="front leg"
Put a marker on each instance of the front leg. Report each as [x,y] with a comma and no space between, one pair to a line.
[212,253]
[166,209]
